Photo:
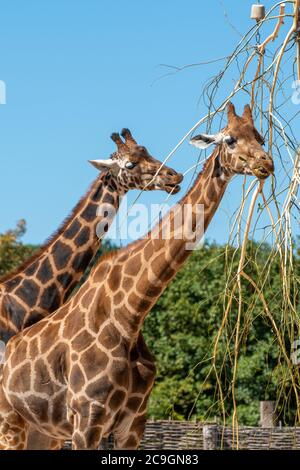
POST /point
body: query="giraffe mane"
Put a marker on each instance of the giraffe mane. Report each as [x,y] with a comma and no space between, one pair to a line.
[50,239]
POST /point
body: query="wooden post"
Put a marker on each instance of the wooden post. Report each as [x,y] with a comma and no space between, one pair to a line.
[267,414]
[210,437]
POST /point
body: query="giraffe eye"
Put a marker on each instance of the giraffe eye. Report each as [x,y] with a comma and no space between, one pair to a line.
[130,165]
[230,141]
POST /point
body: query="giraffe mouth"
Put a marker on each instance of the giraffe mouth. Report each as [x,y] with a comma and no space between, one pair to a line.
[172,188]
[261,173]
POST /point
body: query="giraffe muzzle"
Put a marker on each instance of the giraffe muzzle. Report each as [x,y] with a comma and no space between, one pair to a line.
[263,169]
[174,185]
[172,188]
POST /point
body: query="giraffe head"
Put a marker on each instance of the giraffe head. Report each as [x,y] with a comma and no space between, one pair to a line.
[134,168]
[241,144]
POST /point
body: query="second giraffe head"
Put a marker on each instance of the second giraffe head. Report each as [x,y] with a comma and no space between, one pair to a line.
[134,168]
[241,146]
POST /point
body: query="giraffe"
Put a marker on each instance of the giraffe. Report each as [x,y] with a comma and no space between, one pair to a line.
[85,371]
[44,282]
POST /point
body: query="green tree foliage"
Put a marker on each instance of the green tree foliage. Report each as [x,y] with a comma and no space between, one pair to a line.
[182,327]
[12,251]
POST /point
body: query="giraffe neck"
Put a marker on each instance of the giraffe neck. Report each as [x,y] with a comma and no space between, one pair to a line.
[44,282]
[143,270]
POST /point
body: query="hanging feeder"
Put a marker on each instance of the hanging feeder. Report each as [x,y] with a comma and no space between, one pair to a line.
[258,12]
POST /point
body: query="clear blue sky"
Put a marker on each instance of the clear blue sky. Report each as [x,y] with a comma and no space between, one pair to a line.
[76,70]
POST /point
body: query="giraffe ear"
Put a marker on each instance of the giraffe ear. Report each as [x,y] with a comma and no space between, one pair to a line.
[260,139]
[231,114]
[104,164]
[247,114]
[203,141]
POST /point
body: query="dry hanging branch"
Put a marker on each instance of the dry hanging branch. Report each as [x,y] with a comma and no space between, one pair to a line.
[262,47]
[267,87]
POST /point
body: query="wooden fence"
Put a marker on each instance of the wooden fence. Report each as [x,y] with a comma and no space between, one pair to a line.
[195,435]
[184,435]
[181,435]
